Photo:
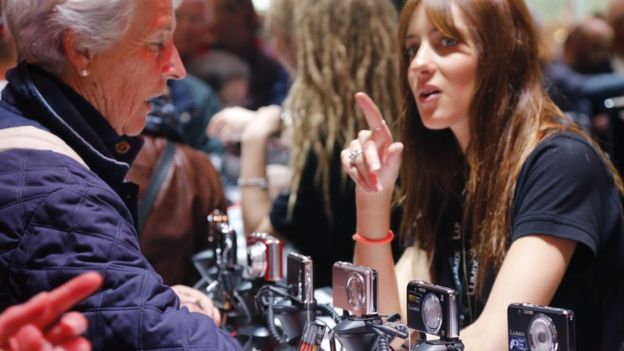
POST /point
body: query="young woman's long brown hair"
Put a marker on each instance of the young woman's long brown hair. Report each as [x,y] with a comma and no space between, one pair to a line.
[510,114]
[343,47]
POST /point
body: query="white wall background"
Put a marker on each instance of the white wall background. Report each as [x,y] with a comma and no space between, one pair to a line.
[566,11]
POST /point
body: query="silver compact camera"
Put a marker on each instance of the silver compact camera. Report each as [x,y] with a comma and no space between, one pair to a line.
[432,309]
[300,278]
[540,328]
[354,288]
[264,257]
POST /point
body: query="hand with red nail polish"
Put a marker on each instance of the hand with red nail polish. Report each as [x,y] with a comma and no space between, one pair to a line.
[373,159]
[41,324]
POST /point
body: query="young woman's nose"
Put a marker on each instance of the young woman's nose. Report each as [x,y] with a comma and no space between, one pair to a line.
[422,63]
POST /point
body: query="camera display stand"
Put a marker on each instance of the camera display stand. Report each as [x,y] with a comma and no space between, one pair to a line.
[234,296]
[443,344]
[357,333]
[437,345]
[277,305]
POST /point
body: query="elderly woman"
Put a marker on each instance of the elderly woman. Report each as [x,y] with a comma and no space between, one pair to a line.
[68,121]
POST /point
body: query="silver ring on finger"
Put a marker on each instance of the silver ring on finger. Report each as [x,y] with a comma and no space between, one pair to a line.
[354,154]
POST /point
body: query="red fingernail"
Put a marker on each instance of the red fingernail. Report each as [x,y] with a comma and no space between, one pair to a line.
[373,178]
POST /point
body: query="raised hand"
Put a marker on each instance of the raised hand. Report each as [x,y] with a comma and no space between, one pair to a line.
[228,124]
[35,325]
[233,124]
[373,159]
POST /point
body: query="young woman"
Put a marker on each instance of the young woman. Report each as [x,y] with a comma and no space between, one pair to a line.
[505,199]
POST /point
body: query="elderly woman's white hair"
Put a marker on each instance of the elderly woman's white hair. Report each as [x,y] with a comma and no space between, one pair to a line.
[38,26]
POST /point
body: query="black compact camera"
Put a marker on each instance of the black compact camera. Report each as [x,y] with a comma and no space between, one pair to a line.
[432,309]
[540,328]
[300,278]
[264,257]
[354,288]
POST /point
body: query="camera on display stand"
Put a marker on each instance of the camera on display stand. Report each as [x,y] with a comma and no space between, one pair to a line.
[300,278]
[221,274]
[433,310]
[540,328]
[264,268]
[232,286]
[264,257]
[354,290]
[291,309]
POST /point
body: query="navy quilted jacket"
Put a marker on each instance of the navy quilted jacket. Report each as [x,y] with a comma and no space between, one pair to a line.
[59,218]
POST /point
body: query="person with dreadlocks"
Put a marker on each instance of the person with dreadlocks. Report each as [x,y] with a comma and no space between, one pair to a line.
[337,48]
[504,196]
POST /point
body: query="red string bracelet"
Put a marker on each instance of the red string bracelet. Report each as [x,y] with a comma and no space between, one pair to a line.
[360,239]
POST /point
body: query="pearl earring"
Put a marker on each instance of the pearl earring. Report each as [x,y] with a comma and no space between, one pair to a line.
[84,72]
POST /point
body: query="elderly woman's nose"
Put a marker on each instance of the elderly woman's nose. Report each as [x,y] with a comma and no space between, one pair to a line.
[175,69]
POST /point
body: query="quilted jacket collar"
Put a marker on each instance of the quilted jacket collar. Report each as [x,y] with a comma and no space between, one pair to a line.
[47,101]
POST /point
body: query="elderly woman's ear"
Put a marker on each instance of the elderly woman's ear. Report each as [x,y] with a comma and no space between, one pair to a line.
[78,59]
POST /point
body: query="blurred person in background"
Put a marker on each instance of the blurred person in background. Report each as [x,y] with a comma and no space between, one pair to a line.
[178,189]
[615,16]
[194,100]
[195,103]
[224,72]
[588,47]
[332,56]
[582,79]
[69,118]
[193,34]
[236,30]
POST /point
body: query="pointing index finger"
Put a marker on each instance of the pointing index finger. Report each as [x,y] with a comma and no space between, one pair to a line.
[46,307]
[373,116]
[67,295]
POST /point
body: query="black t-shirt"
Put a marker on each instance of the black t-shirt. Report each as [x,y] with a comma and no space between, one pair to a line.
[564,190]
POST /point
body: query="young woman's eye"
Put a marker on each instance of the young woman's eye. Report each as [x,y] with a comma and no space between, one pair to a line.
[449,42]
[411,51]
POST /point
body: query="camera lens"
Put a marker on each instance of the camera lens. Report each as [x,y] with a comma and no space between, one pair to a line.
[542,334]
[257,260]
[355,291]
[432,313]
